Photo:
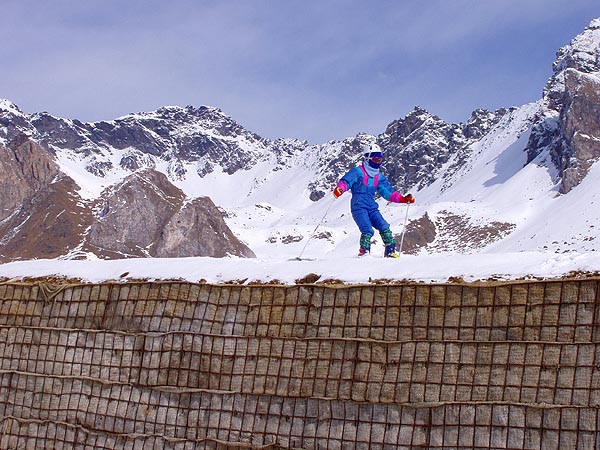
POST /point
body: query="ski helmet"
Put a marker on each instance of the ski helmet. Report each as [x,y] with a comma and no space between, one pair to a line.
[373,155]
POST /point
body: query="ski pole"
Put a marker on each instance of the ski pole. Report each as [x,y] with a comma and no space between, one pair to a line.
[299,258]
[404,229]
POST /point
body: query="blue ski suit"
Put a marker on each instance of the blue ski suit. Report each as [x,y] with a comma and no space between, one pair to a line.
[365,210]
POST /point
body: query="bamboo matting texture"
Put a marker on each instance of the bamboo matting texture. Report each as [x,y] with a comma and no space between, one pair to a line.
[175,365]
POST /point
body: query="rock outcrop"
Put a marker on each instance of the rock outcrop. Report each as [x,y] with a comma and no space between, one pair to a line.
[147,216]
[25,168]
[568,126]
[198,229]
[43,216]
[134,215]
[580,125]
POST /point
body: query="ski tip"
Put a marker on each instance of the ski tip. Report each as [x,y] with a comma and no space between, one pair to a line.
[301,259]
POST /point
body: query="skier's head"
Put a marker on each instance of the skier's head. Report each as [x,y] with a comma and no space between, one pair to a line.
[373,155]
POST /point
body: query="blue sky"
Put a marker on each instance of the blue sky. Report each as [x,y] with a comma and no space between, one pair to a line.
[315,70]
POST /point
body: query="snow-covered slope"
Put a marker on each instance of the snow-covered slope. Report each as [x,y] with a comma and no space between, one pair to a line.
[490,192]
[550,234]
[496,186]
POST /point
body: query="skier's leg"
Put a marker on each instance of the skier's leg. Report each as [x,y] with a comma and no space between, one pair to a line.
[365,244]
[361,217]
[390,243]
[387,237]
[378,221]
[386,234]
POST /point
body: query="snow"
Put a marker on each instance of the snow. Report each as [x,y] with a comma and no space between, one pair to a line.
[7,105]
[91,186]
[584,49]
[425,268]
[551,235]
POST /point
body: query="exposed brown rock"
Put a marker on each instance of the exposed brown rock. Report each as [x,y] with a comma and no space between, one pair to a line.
[25,168]
[419,234]
[450,231]
[580,124]
[49,224]
[41,214]
[457,232]
[138,210]
[198,229]
[567,126]
[145,215]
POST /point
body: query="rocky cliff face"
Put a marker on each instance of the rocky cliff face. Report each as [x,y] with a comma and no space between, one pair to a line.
[146,216]
[421,143]
[18,163]
[198,229]
[43,216]
[580,126]
[134,214]
[568,125]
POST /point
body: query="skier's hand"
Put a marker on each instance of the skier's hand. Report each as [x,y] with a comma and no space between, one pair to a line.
[337,192]
[397,197]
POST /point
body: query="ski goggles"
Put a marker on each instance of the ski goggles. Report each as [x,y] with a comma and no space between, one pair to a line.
[376,159]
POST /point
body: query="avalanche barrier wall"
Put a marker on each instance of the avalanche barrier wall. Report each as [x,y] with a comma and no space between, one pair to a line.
[176,365]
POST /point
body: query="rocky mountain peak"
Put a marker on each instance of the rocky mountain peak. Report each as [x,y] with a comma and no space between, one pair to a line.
[568,128]
[481,122]
[13,122]
[8,106]
[581,54]
[401,129]
[173,114]
[417,146]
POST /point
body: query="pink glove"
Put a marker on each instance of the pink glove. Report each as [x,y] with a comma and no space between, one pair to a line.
[396,197]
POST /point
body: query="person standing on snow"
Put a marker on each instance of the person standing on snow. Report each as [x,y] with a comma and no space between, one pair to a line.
[364,181]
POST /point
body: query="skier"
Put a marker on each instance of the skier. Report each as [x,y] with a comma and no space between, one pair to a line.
[364,181]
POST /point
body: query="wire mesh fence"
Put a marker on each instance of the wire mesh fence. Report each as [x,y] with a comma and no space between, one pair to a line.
[181,365]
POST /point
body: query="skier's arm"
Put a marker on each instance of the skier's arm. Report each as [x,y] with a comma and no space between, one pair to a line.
[387,191]
[340,189]
[345,183]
